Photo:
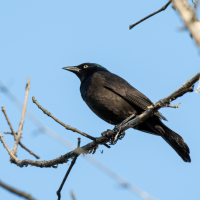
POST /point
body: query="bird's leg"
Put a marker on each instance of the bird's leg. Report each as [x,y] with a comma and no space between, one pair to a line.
[118,129]
[124,122]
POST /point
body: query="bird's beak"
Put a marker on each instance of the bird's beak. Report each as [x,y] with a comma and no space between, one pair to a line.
[72,69]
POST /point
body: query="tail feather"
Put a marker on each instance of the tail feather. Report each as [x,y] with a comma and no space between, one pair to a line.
[172,138]
[177,143]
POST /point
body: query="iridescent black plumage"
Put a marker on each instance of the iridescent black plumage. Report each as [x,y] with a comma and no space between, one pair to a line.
[113,99]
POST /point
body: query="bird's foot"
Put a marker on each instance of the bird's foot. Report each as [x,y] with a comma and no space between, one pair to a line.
[125,121]
[117,129]
[93,150]
[105,133]
[118,136]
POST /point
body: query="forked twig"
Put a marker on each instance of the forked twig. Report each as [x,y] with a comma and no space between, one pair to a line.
[106,136]
[162,9]
[8,150]
[14,134]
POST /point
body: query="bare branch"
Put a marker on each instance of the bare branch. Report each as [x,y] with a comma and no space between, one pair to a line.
[73,196]
[8,150]
[8,121]
[189,17]
[68,171]
[106,136]
[15,135]
[61,123]
[22,118]
[15,191]
[24,147]
[174,106]
[162,9]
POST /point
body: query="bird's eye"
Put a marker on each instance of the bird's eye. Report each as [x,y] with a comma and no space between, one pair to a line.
[85,66]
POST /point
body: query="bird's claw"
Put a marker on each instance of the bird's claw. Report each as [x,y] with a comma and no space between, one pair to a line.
[105,133]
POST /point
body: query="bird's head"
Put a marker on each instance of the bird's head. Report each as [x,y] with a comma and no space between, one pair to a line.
[84,70]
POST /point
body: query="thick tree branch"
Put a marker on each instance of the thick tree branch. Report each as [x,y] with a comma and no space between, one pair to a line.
[162,9]
[22,118]
[189,17]
[15,191]
[14,134]
[106,136]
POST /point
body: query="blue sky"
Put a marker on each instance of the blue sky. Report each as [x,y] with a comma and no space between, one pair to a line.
[38,38]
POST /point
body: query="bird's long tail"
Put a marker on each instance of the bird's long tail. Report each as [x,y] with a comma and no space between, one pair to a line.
[172,138]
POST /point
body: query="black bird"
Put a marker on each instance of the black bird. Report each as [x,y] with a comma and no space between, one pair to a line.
[113,99]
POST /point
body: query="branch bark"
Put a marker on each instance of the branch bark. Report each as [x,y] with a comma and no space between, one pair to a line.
[189,17]
[107,135]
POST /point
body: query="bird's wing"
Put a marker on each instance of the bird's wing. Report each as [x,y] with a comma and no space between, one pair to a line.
[122,88]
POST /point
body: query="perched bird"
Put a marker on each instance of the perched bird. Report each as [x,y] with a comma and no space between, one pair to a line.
[113,99]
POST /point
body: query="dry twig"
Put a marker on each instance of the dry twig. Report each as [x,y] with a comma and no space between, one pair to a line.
[68,171]
[61,123]
[173,106]
[73,196]
[162,9]
[8,150]
[15,135]
[15,191]
[189,17]
[186,87]
[22,118]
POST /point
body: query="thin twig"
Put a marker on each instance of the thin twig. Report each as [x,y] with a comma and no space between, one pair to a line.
[63,124]
[15,191]
[15,135]
[8,150]
[24,147]
[22,118]
[73,196]
[8,121]
[186,87]
[173,106]
[162,9]
[42,127]
[68,171]
[7,132]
